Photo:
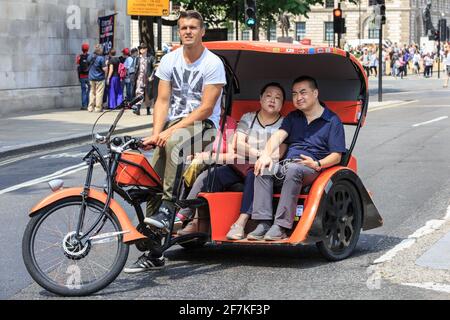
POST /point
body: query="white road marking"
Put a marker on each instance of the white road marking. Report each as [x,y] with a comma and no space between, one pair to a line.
[430,227]
[430,121]
[388,256]
[373,282]
[389,106]
[63,155]
[58,174]
[430,286]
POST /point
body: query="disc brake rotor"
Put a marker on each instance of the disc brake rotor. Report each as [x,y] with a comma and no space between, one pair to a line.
[74,249]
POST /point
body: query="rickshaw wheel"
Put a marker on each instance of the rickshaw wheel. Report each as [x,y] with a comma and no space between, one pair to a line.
[341,221]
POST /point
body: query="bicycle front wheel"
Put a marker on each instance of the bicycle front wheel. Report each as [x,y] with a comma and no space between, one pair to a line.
[65,266]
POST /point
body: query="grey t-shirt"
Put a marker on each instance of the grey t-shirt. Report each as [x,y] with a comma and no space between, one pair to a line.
[257,134]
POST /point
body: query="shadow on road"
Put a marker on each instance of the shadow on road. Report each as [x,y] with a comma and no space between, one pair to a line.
[214,259]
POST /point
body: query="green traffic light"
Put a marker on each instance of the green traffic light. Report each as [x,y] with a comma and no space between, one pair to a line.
[250,22]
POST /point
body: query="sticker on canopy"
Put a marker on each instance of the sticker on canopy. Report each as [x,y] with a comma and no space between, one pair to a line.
[302,51]
[320,50]
[277,50]
[311,51]
[328,50]
[290,50]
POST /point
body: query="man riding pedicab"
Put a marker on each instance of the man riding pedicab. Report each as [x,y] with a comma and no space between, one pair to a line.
[191,81]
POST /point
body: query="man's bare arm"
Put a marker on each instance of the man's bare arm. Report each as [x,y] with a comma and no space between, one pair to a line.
[161,108]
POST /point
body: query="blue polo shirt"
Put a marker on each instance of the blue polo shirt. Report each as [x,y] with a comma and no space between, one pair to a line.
[317,140]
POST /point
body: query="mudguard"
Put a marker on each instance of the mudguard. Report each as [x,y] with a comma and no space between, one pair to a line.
[131,235]
[371,218]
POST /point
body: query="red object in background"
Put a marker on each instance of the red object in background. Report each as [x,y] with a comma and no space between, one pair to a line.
[306,42]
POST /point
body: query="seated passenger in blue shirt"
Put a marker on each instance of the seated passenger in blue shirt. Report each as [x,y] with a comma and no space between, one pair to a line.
[315,138]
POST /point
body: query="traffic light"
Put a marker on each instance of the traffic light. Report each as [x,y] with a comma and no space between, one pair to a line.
[250,13]
[442,27]
[436,35]
[338,21]
[379,11]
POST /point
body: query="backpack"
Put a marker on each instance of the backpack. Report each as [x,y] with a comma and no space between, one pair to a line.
[122,71]
[84,65]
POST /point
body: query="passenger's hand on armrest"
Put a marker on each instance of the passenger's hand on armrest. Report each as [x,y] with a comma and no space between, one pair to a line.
[262,163]
[309,162]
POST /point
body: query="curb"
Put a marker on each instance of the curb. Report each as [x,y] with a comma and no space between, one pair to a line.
[54,143]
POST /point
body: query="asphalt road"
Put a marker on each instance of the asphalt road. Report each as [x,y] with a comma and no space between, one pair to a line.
[402,160]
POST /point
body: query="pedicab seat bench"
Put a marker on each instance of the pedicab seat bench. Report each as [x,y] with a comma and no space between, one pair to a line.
[348,112]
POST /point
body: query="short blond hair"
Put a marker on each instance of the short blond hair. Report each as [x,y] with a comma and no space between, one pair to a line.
[98,49]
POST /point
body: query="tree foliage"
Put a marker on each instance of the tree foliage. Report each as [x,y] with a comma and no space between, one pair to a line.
[219,13]
[216,12]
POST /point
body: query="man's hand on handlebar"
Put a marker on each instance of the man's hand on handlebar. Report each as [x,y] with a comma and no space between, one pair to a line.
[149,143]
[158,140]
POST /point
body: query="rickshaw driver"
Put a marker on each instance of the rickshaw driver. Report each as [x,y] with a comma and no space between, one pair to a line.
[191,82]
[316,139]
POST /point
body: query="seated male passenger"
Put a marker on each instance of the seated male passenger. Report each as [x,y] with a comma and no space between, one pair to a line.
[315,138]
[253,131]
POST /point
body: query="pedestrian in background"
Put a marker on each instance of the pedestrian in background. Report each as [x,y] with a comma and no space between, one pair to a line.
[373,60]
[83,75]
[115,89]
[365,61]
[130,79]
[428,62]
[145,65]
[447,66]
[416,62]
[97,79]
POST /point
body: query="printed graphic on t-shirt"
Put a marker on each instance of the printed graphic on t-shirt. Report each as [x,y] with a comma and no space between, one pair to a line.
[187,92]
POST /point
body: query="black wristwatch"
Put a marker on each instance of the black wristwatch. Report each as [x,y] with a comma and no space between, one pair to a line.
[320,166]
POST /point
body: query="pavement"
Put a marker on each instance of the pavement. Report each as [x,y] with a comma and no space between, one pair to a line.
[24,133]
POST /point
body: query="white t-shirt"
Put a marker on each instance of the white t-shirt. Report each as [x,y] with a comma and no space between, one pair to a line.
[188,81]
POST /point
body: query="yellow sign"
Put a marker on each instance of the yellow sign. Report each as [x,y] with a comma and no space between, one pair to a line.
[155,8]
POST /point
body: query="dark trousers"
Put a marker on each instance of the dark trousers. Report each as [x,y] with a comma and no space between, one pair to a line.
[85,88]
[225,178]
[297,176]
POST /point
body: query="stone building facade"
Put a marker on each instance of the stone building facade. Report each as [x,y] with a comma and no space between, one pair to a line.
[404,23]
[39,40]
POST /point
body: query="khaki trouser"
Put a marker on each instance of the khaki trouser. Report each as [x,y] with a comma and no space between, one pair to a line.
[96,95]
[166,160]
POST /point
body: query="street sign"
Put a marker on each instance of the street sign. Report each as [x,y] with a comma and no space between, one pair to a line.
[156,8]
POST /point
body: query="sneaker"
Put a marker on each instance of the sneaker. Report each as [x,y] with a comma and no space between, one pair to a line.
[145,263]
[177,224]
[236,232]
[260,231]
[275,233]
[161,220]
[136,110]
